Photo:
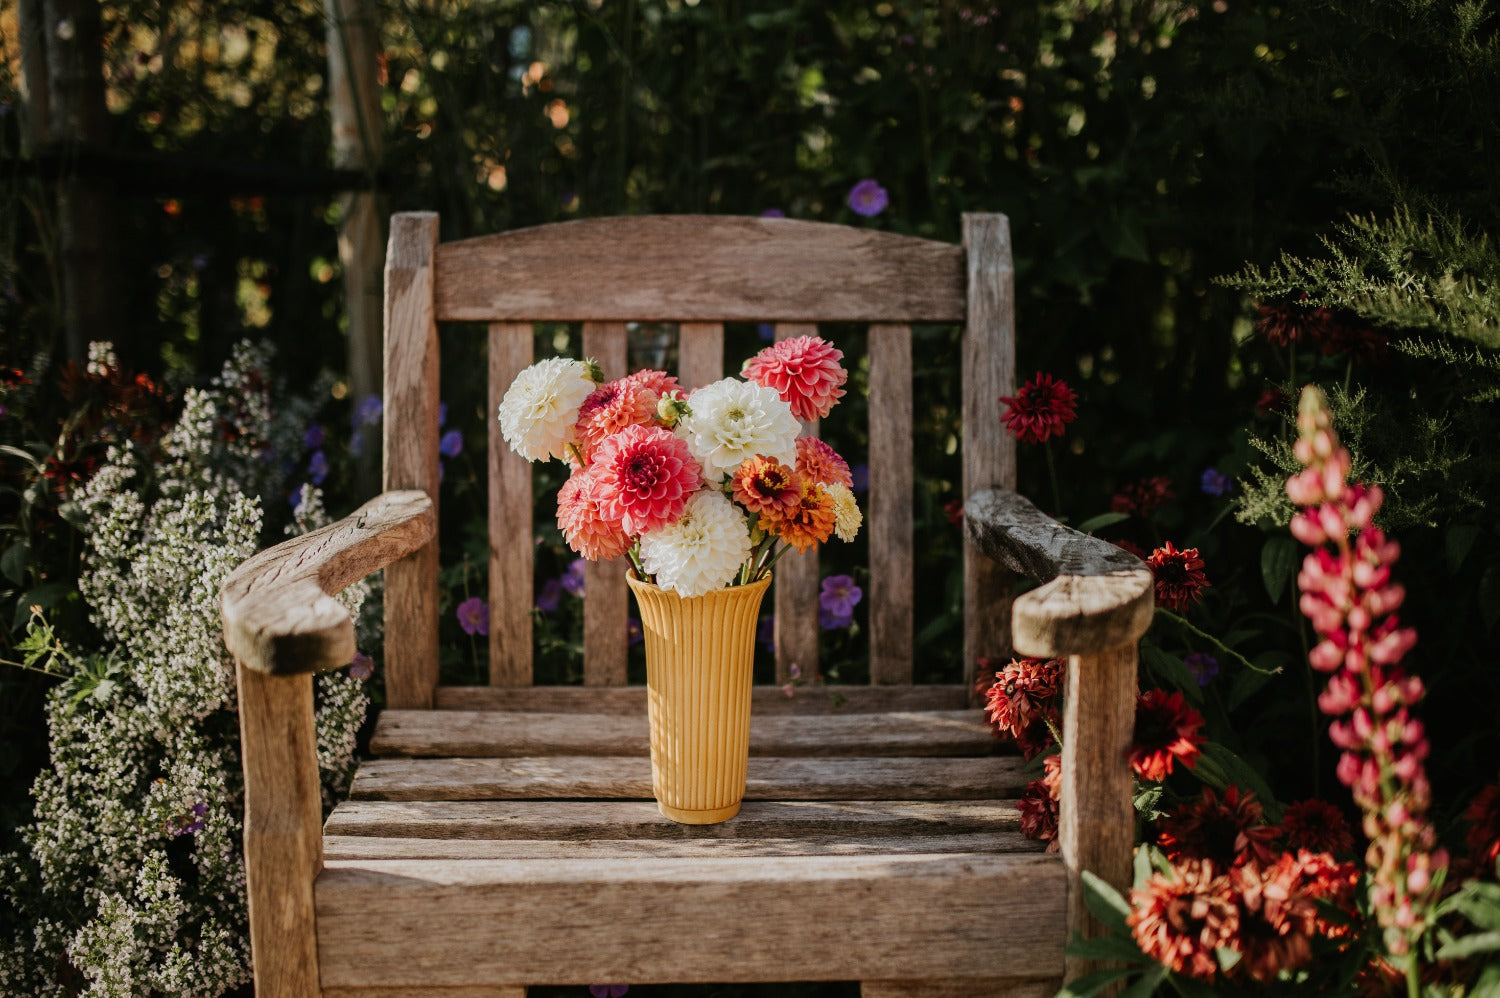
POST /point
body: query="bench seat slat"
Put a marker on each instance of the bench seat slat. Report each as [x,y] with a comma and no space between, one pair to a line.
[490,733]
[765,700]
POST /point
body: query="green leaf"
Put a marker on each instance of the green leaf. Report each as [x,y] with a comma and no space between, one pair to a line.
[1146,986]
[1278,565]
[1106,903]
[1106,948]
[1246,685]
[36,463]
[13,562]
[1146,801]
[1101,521]
[1458,542]
[1142,862]
[1227,958]
[1240,772]
[46,596]
[1480,942]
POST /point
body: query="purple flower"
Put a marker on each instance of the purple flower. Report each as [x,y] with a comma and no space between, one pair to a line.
[296,497]
[868,198]
[766,331]
[363,666]
[474,616]
[317,467]
[1202,665]
[572,578]
[451,444]
[766,634]
[550,598]
[313,438]
[834,621]
[839,596]
[357,443]
[191,823]
[608,990]
[773,213]
[367,413]
[861,475]
[634,634]
[1215,483]
[442,414]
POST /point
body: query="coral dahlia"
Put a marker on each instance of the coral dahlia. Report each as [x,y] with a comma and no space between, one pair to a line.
[804,371]
[1166,731]
[645,478]
[610,408]
[583,523]
[1179,576]
[820,463]
[1040,409]
[1180,921]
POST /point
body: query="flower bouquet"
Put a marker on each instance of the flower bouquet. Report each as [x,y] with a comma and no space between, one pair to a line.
[702,492]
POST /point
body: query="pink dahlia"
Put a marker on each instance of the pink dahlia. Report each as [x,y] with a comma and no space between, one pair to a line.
[611,407]
[584,525]
[659,382]
[818,462]
[804,371]
[645,477]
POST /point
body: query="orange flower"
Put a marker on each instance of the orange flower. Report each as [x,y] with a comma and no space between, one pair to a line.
[822,464]
[1180,922]
[766,486]
[1166,731]
[810,523]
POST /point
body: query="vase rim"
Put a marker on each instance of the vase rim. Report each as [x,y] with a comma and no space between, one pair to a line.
[636,582]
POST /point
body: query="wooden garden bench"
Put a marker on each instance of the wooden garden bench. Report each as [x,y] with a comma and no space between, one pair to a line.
[505,836]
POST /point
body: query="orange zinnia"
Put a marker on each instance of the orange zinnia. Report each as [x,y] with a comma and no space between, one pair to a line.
[811,522]
[766,486]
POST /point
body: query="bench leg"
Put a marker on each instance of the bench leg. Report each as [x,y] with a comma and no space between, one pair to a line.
[962,987]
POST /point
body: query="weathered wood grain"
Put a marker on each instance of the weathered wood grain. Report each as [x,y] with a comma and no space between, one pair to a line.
[989,453]
[583,821]
[1099,597]
[695,268]
[411,453]
[963,987]
[283,843]
[795,589]
[892,571]
[700,354]
[512,562]
[491,734]
[357,848]
[606,599]
[278,610]
[831,699]
[629,778]
[425,991]
[530,919]
[1096,818]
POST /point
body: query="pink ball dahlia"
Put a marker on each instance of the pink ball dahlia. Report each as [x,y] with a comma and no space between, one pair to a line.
[583,523]
[804,371]
[645,477]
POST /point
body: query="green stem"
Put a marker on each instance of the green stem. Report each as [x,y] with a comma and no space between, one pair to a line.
[1221,646]
[1052,477]
[774,559]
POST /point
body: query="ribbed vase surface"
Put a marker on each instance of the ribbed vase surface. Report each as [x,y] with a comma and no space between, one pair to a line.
[700,652]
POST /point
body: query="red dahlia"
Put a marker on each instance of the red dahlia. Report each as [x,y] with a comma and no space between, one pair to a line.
[1039,813]
[1284,324]
[1317,826]
[1278,915]
[1180,921]
[1042,407]
[1023,698]
[1230,831]
[1144,497]
[1483,836]
[1166,730]
[1179,576]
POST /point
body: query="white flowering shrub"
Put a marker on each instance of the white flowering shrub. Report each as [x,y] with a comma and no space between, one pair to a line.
[134,882]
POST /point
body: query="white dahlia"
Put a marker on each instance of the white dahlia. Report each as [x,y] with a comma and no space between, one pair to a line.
[846,515]
[731,420]
[540,408]
[703,550]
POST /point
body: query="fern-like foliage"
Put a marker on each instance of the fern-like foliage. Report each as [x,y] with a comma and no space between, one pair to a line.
[1415,275]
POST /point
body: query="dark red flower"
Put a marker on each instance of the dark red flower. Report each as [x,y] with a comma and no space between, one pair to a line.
[66,474]
[1327,879]
[1023,698]
[1230,831]
[1042,407]
[954,509]
[1317,826]
[1278,916]
[1039,813]
[1483,836]
[1272,400]
[1166,730]
[1144,497]
[1285,323]
[1179,576]
[1133,548]
[1345,335]
[1179,921]
[10,377]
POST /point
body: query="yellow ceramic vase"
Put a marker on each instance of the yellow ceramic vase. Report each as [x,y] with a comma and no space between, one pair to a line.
[700,652]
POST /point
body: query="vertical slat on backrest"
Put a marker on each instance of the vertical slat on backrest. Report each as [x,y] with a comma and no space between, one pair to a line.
[796,585]
[512,555]
[411,453]
[700,354]
[606,599]
[892,574]
[989,363]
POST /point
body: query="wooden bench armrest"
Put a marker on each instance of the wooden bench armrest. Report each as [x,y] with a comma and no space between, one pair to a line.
[279,614]
[1095,596]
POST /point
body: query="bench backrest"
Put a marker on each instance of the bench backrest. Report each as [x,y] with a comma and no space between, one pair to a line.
[700,272]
